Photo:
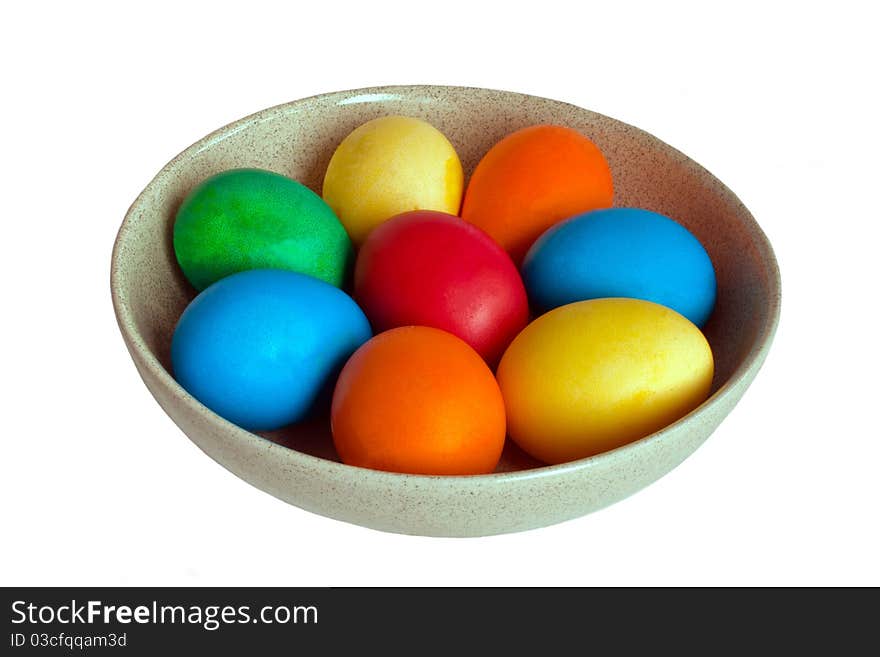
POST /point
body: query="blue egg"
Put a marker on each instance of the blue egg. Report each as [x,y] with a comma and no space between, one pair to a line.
[621,252]
[259,347]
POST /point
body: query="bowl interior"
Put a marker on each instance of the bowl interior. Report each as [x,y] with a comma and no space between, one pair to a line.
[298,139]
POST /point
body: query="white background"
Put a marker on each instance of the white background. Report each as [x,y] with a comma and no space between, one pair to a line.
[99,487]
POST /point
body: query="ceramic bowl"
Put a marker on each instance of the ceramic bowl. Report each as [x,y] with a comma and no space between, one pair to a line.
[298,464]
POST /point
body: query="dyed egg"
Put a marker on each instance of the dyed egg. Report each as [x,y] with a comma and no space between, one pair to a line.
[421,401]
[259,347]
[391,165]
[533,179]
[253,219]
[433,269]
[595,375]
[621,252]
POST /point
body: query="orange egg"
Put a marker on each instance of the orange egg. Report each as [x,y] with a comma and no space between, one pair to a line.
[531,180]
[418,400]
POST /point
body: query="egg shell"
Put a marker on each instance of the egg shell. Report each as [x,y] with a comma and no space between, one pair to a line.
[418,400]
[259,347]
[433,269]
[532,179]
[390,165]
[595,375]
[245,219]
[621,252]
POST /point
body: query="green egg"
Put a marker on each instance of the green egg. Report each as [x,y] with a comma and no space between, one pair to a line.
[254,219]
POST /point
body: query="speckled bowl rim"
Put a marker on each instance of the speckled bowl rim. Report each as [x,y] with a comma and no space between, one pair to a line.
[750,363]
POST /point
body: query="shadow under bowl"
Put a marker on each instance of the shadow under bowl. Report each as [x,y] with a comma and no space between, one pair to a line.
[298,464]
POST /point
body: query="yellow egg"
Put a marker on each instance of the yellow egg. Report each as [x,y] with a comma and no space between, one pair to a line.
[390,165]
[594,375]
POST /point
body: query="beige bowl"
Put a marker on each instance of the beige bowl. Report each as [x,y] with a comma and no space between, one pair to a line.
[298,464]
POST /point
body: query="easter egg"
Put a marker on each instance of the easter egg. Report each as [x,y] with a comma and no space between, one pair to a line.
[253,219]
[621,252]
[260,347]
[418,400]
[595,375]
[433,269]
[533,179]
[391,165]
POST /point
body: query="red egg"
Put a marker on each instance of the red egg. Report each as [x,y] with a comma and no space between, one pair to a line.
[428,268]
